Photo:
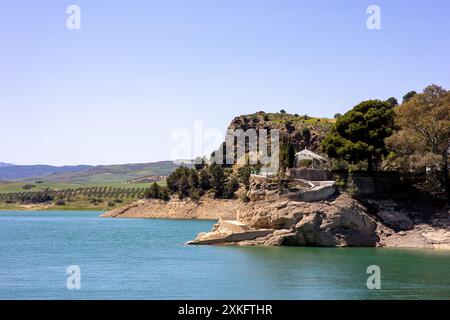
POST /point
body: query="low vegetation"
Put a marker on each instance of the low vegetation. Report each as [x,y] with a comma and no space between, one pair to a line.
[80,198]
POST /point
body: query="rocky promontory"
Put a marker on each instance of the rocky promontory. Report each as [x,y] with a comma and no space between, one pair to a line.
[324,218]
[341,222]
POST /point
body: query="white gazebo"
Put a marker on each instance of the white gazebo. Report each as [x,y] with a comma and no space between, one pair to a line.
[308,155]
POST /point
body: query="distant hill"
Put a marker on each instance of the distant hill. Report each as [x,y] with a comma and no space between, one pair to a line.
[84,174]
[16,172]
[4,164]
[116,173]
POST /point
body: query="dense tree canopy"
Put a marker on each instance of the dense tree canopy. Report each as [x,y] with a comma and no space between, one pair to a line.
[186,182]
[359,134]
[423,137]
[156,192]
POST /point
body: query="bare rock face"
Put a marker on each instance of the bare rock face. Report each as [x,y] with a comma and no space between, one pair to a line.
[342,222]
[207,209]
[276,214]
[262,188]
[389,214]
[432,234]
[396,220]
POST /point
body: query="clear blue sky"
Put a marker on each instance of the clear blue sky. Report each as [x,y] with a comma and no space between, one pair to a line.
[114,91]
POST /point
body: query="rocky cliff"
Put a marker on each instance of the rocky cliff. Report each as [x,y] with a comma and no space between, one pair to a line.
[303,130]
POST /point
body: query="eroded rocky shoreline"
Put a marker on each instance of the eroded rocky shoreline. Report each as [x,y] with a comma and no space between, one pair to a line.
[340,221]
[204,209]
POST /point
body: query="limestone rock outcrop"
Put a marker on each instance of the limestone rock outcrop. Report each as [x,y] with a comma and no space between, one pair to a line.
[396,220]
[342,222]
[388,212]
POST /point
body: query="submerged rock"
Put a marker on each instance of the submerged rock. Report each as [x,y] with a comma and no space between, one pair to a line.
[228,231]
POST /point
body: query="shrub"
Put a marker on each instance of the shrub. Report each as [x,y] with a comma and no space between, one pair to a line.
[231,187]
[95,201]
[217,179]
[37,197]
[157,192]
[153,192]
[287,123]
[204,180]
[164,194]
[244,197]
[60,202]
[244,174]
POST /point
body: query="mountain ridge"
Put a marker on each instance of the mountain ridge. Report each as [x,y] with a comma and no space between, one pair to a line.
[4,164]
[81,173]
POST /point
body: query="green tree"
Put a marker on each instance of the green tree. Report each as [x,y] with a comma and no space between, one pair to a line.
[392,102]
[306,133]
[217,179]
[164,194]
[193,179]
[199,163]
[153,192]
[204,180]
[408,96]
[178,181]
[424,123]
[231,187]
[287,154]
[244,174]
[359,134]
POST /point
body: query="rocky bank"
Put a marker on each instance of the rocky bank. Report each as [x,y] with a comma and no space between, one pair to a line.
[205,209]
[338,222]
[304,213]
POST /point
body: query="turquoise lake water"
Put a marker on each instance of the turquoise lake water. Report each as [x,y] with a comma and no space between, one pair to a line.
[147,259]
